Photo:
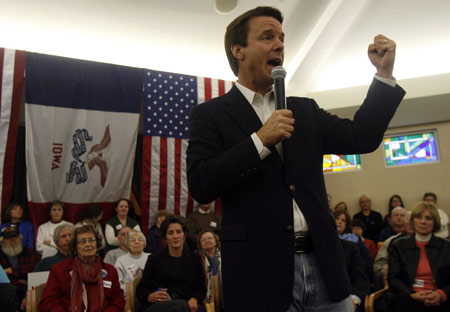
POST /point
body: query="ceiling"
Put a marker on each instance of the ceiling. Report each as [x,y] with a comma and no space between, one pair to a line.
[326,43]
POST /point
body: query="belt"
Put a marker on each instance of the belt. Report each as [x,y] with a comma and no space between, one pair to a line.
[303,242]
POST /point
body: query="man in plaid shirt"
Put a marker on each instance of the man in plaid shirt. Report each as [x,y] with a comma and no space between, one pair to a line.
[17,261]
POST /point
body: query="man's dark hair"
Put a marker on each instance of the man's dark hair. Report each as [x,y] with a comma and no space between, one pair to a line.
[431,194]
[171,220]
[237,31]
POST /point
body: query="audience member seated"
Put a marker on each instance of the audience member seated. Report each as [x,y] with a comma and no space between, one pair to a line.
[155,242]
[17,261]
[212,262]
[199,220]
[131,265]
[173,279]
[8,299]
[344,229]
[340,206]
[61,238]
[380,266]
[419,266]
[394,201]
[445,223]
[92,216]
[45,244]
[83,282]
[358,228]
[371,219]
[117,222]
[112,255]
[398,221]
[14,216]
[356,274]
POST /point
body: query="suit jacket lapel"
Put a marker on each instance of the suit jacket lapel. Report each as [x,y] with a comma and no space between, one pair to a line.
[245,116]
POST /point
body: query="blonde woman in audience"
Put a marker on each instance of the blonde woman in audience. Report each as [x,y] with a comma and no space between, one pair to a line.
[445,222]
[45,244]
[210,253]
[131,265]
[120,220]
[419,265]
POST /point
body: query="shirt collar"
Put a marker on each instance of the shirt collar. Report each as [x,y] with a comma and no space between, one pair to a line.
[247,93]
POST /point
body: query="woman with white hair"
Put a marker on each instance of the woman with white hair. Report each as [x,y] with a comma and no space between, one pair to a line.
[131,265]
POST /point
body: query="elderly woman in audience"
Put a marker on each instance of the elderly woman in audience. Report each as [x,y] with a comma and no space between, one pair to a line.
[419,266]
[14,216]
[92,216]
[155,242]
[344,229]
[173,279]
[83,282]
[131,265]
[117,222]
[45,243]
[394,201]
[210,254]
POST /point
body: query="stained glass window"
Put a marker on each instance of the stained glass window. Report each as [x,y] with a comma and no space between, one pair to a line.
[336,163]
[409,149]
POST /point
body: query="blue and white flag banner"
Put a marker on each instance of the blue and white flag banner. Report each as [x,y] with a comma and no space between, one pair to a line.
[81,129]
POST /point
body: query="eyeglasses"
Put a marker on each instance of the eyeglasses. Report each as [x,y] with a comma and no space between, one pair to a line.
[84,241]
[140,239]
[206,239]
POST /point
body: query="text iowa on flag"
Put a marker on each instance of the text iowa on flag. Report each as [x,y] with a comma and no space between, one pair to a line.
[81,129]
[168,100]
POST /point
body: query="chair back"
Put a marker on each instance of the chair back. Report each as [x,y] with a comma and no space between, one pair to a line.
[133,303]
[33,297]
[216,292]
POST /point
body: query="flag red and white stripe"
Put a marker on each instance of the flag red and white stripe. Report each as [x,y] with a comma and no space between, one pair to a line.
[12,66]
[164,182]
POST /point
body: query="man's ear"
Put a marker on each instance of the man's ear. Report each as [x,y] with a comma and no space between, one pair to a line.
[238,52]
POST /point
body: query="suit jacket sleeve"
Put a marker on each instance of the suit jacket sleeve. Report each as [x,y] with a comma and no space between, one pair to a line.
[214,167]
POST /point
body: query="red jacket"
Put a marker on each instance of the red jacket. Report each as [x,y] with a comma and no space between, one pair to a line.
[56,294]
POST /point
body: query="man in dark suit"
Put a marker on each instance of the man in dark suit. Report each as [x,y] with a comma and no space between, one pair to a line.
[280,248]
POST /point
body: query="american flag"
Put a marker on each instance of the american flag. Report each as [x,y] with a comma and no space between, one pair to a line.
[169,99]
[12,67]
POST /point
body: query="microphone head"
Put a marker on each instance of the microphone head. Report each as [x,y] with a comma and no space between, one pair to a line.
[278,72]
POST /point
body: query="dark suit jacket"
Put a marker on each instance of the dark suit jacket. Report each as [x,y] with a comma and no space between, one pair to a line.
[159,273]
[404,259]
[256,195]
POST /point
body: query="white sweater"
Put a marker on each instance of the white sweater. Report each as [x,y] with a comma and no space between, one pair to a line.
[129,267]
[45,233]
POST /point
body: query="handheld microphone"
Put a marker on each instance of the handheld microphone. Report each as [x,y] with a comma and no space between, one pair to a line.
[278,75]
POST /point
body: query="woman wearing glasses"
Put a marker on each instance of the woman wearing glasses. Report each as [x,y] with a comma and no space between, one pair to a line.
[131,265]
[83,282]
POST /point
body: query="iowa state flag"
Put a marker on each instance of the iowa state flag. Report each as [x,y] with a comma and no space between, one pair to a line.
[81,129]
[168,100]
